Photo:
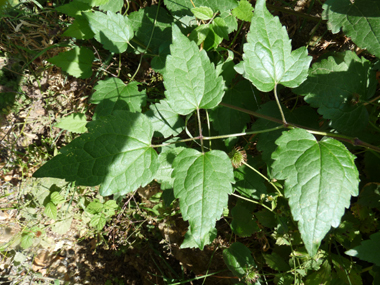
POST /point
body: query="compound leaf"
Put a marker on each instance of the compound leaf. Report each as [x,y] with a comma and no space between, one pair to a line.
[115,153]
[113,31]
[75,123]
[358,19]
[320,178]
[76,62]
[368,250]
[338,86]
[112,94]
[202,182]
[164,120]
[268,59]
[190,79]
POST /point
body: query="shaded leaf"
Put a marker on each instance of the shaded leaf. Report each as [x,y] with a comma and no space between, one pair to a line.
[76,62]
[339,86]
[368,250]
[190,79]
[164,172]
[144,21]
[112,94]
[79,29]
[268,59]
[320,178]
[75,123]
[113,31]
[243,224]
[359,20]
[115,153]
[238,259]
[189,241]
[202,182]
[73,8]
[165,121]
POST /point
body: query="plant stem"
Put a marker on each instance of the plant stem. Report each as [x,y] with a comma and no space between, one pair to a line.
[219,137]
[266,178]
[279,105]
[351,140]
[209,129]
[252,201]
[200,129]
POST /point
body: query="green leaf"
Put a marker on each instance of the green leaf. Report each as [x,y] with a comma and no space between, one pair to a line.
[243,224]
[112,94]
[75,123]
[144,21]
[164,120]
[115,153]
[98,221]
[338,87]
[51,210]
[164,172]
[73,8]
[79,29]
[359,20]
[95,2]
[183,7]
[238,259]
[202,182]
[230,21]
[27,240]
[189,241]
[112,5]
[320,178]
[244,11]
[370,196]
[203,13]
[248,182]
[199,34]
[368,250]
[228,121]
[220,27]
[113,31]
[276,262]
[190,79]
[56,198]
[62,227]
[268,59]
[76,62]
[95,207]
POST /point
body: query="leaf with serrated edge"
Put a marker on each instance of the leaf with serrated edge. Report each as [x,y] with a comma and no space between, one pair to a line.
[243,11]
[202,182]
[76,62]
[165,121]
[112,5]
[183,7]
[359,20]
[337,86]
[268,59]
[113,31]
[51,210]
[75,123]
[238,259]
[320,178]
[202,13]
[190,79]
[164,172]
[116,153]
[368,250]
[112,94]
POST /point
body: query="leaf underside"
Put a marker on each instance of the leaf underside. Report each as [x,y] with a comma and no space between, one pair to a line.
[320,178]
